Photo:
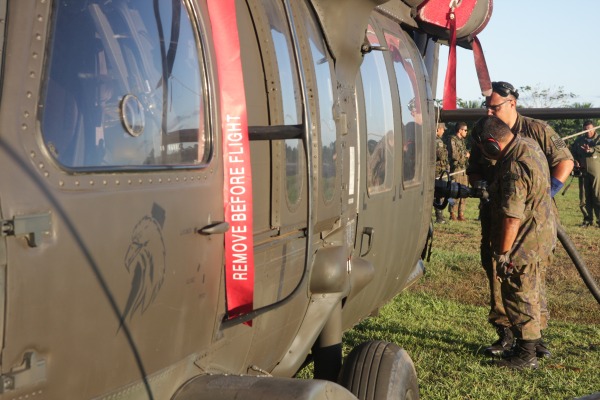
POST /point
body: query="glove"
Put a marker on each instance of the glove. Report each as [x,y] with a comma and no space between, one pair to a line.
[555,186]
[504,266]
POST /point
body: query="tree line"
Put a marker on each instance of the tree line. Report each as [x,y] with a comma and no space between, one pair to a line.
[538,96]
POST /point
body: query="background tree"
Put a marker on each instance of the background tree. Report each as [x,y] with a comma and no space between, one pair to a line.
[566,127]
[470,103]
[544,97]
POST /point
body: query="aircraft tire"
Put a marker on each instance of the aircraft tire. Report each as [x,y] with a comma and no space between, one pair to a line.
[379,370]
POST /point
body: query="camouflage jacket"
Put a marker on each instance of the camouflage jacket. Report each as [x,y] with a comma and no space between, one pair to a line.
[589,162]
[441,157]
[551,143]
[521,189]
[457,153]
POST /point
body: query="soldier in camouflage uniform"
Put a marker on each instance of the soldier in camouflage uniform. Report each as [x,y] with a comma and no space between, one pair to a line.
[502,103]
[586,151]
[441,163]
[523,231]
[578,172]
[458,156]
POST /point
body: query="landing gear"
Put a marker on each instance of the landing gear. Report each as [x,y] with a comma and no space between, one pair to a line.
[380,370]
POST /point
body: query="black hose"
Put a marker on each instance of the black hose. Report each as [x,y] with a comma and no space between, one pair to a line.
[588,279]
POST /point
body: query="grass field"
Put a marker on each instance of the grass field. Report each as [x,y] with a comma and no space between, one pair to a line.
[442,320]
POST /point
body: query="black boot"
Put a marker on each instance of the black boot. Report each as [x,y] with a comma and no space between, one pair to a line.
[504,343]
[439,217]
[541,350]
[522,357]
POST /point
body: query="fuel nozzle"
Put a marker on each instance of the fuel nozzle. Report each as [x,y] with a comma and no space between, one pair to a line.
[446,189]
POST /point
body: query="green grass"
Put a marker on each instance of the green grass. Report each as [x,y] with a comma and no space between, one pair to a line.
[442,320]
[445,339]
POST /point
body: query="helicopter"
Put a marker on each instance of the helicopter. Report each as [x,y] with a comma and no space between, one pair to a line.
[199,196]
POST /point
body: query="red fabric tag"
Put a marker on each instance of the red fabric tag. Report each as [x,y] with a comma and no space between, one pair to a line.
[237,189]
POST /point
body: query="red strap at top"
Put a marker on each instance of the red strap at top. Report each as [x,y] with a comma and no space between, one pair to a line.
[485,83]
[449,102]
[237,187]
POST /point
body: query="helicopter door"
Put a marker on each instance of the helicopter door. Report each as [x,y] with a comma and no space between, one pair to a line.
[380,167]
[410,86]
[390,105]
[119,150]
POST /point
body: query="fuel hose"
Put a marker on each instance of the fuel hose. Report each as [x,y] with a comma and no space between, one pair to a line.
[588,279]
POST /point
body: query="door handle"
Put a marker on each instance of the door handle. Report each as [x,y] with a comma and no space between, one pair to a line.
[370,232]
[214,228]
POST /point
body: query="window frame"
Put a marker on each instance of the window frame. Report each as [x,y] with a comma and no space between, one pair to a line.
[198,29]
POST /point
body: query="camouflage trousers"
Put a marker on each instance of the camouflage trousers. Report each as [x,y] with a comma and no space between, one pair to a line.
[522,297]
[582,201]
[591,186]
[497,315]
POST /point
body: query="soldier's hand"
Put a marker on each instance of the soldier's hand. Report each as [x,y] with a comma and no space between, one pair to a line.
[504,266]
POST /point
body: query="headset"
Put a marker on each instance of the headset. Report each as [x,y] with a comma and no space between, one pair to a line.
[488,143]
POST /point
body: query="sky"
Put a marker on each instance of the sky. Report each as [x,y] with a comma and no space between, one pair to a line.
[544,43]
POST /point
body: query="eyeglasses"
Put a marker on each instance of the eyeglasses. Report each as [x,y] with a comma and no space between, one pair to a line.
[495,107]
[504,89]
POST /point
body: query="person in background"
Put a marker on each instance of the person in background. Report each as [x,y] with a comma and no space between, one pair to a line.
[523,231]
[503,104]
[586,151]
[458,156]
[578,172]
[441,163]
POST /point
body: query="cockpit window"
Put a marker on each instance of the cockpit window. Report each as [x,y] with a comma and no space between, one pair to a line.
[124,86]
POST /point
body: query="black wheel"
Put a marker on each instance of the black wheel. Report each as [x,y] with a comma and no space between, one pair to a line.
[380,370]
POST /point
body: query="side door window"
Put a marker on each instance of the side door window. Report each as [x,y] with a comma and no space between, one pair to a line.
[411,103]
[323,68]
[379,119]
[291,101]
